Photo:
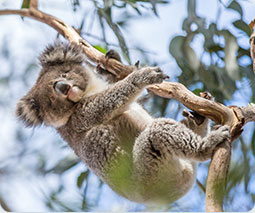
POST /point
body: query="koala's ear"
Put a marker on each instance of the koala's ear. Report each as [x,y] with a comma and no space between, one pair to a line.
[28,110]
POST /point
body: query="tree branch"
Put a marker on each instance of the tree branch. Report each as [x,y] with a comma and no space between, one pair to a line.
[4,205]
[233,116]
[33,4]
[217,176]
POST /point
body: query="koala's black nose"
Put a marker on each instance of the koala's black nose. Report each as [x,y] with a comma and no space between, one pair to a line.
[62,87]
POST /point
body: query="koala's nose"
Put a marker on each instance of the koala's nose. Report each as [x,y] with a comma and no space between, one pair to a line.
[62,87]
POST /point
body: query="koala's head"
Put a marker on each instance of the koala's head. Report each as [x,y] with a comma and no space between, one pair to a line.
[60,85]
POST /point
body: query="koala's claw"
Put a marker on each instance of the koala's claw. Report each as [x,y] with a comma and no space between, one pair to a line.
[166,77]
[149,75]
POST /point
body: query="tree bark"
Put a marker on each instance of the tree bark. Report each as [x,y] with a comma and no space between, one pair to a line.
[216,181]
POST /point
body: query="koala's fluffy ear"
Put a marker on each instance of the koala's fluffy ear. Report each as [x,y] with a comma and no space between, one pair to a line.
[62,53]
[28,110]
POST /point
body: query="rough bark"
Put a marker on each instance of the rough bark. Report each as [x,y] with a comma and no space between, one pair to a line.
[233,116]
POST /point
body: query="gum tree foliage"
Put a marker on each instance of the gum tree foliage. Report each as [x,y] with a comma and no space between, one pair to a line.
[210,58]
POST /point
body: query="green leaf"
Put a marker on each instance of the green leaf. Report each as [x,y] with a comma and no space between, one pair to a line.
[25,4]
[191,57]
[214,48]
[241,25]
[209,78]
[197,91]
[102,49]
[213,28]
[176,46]
[234,5]
[82,177]
[227,86]
[230,50]
[185,57]
[64,164]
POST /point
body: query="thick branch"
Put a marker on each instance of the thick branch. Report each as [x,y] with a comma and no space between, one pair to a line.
[216,178]
[232,116]
[213,110]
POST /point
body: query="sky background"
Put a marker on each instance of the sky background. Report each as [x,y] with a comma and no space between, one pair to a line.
[26,38]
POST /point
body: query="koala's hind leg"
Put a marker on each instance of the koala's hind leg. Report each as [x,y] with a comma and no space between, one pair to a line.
[166,139]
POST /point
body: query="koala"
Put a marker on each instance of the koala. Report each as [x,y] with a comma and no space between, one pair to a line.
[144,159]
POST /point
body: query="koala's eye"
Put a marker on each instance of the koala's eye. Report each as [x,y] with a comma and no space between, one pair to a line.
[63,75]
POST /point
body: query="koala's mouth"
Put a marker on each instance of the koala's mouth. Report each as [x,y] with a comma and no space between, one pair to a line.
[69,91]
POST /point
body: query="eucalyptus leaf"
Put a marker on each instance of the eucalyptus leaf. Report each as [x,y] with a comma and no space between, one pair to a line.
[191,57]
[234,5]
[82,177]
[197,91]
[230,50]
[209,78]
[102,49]
[64,164]
[213,28]
[176,46]
[243,52]
[227,86]
[25,4]
[241,25]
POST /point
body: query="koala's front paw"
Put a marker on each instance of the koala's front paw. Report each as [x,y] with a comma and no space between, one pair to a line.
[148,75]
[221,134]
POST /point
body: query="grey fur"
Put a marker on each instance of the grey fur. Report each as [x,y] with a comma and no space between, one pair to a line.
[147,160]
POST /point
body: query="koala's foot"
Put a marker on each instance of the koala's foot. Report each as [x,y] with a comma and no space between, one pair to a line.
[209,142]
[220,135]
[148,75]
[223,132]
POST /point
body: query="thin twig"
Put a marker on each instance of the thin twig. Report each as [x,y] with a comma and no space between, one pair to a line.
[201,186]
